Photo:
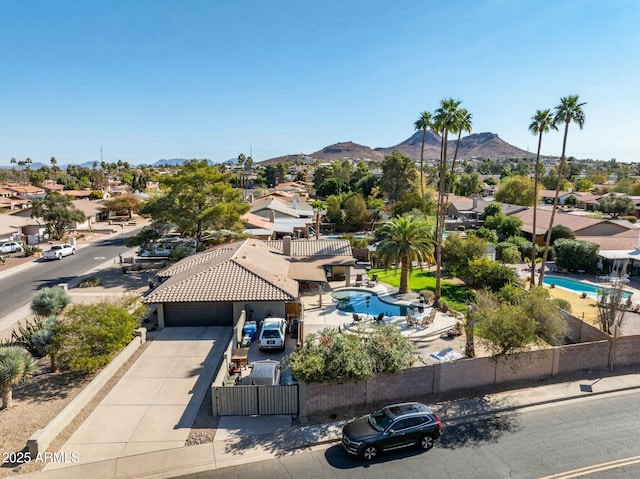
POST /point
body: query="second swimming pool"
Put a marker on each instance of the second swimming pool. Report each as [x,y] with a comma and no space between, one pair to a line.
[578,286]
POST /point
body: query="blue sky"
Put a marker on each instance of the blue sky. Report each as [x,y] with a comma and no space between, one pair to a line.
[152,79]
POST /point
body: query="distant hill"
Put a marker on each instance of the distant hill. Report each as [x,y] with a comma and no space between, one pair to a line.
[477,145]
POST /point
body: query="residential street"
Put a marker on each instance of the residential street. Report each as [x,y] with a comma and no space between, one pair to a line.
[552,441]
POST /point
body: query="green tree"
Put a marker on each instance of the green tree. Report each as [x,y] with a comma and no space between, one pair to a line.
[57,212]
[576,255]
[423,123]
[550,324]
[492,209]
[355,210]
[125,202]
[459,251]
[50,302]
[16,366]
[571,200]
[516,190]
[198,198]
[332,186]
[511,255]
[561,231]
[405,239]
[584,184]
[614,205]
[333,357]
[468,184]
[541,123]
[91,334]
[334,209]
[491,274]
[398,175]
[569,110]
[504,328]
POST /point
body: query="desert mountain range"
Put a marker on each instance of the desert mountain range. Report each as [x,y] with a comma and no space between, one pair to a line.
[477,145]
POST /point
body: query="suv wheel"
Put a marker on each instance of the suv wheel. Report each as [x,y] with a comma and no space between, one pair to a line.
[426,442]
[369,452]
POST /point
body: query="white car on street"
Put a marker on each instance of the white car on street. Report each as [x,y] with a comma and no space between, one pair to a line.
[59,251]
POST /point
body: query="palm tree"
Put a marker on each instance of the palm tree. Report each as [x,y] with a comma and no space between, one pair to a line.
[567,111]
[423,123]
[16,365]
[319,207]
[462,123]
[13,163]
[444,121]
[541,123]
[406,239]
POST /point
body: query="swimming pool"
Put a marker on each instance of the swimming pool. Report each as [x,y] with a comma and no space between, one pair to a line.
[355,301]
[578,286]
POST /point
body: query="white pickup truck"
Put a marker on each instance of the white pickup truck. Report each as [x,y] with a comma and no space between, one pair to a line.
[58,251]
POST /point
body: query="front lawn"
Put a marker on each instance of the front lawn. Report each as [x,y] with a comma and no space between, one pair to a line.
[458,297]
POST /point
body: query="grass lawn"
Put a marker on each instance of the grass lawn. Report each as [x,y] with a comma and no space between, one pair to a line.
[457,296]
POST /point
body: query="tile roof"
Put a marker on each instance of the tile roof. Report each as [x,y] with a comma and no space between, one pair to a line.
[308,248]
[626,241]
[251,220]
[574,222]
[247,270]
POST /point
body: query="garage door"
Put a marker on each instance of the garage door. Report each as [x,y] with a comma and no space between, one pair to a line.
[198,314]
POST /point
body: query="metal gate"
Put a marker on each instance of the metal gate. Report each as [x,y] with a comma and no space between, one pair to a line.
[256,400]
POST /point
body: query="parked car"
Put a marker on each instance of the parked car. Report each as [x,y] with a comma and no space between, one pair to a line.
[11,247]
[265,373]
[272,333]
[59,251]
[393,427]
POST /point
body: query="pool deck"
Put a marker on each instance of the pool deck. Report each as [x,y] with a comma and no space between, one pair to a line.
[320,311]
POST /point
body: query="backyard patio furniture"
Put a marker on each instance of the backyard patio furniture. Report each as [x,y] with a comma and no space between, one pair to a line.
[374,278]
[359,279]
[379,319]
[356,318]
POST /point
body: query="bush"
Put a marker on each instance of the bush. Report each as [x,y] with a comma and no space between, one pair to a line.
[90,282]
[630,219]
[443,305]
[31,250]
[91,334]
[562,304]
[428,295]
[50,301]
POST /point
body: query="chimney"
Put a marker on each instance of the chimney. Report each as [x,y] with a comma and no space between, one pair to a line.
[475,203]
[286,245]
[272,216]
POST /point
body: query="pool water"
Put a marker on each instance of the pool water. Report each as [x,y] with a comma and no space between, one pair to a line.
[578,286]
[355,301]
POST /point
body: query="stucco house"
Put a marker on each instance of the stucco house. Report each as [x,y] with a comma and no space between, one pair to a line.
[214,287]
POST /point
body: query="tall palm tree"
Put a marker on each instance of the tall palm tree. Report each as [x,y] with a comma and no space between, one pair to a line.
[423,123]
[444,122]
[406,239]
[16,365]
[13,163]
[541,123]
[462,123]
[569,110]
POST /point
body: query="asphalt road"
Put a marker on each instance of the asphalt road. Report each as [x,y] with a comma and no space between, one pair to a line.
[595,438]
[16,289]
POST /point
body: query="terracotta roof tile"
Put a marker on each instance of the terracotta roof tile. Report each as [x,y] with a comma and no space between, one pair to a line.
[247,270]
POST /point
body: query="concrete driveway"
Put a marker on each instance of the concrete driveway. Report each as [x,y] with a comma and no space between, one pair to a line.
[153,406]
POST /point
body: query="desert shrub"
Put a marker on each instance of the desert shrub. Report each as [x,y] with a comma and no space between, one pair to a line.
[50,301]
[443,305]
[90,282]
[91,334]
[562,304]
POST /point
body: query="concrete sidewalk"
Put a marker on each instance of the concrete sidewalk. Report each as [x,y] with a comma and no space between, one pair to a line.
[241,440]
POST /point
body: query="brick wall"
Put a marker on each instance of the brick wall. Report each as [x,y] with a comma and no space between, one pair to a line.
[581,332]
[574,357]
[528,365]
[626,351]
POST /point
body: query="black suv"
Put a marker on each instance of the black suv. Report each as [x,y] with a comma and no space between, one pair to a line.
[392,427]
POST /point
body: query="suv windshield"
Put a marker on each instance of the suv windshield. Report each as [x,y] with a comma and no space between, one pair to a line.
[379,420]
